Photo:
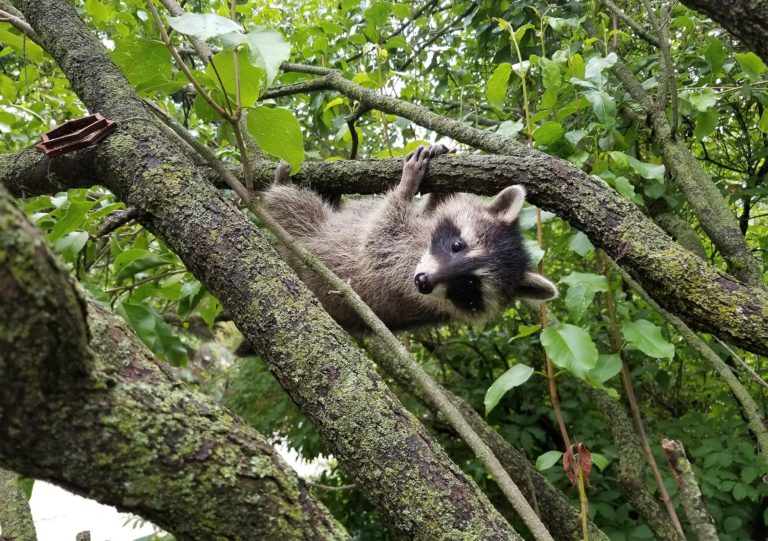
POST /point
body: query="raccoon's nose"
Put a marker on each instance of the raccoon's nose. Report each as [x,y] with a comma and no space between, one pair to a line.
[422,282]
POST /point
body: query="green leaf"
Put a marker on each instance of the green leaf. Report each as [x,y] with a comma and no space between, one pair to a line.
[762,124]
[21,46]
[706,122]
[534,251]
[203,25]
[570,347]
[576,67]
[626,189]
[714,54]
[278,133]
[581,291]
[378,12]
[520,32]
[514,377]
[510,128]
[267,49]
[580,244]
[648,171]
[549,133]
[525,330]
[143,61]
[401,10]
[496,89]
[73,218]
[134,261]
[70,244]
[647,337]
[751,64]
[547,460]
[604,107]
[191,294]
[153,331]
[250,76]
[550,73]
[608,365]
[600,461]
[595,67]
[702,99]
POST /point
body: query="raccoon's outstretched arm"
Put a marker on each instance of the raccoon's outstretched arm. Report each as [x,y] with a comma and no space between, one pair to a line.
[414,169]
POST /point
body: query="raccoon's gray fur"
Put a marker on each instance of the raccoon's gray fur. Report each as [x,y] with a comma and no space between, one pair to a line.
[454,257]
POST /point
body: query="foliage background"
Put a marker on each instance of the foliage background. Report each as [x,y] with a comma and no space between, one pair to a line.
[459,59]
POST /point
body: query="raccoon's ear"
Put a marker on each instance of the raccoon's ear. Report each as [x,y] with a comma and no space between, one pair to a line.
[507,203]
[535,286]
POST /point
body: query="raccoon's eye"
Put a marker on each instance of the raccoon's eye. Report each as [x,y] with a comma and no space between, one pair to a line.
[457,246]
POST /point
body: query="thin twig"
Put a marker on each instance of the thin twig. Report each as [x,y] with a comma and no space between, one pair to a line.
[203,50]
[328,488]
[447,28]
[19,23]
[180,63]
[630,22]
[742,362]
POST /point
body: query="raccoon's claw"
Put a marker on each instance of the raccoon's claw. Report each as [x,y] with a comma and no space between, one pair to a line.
[438,149]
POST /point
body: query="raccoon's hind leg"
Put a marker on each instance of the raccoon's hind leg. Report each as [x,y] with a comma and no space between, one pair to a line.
[414,169]
[301,212]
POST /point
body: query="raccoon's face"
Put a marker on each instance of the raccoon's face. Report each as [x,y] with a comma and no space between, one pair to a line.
[476,262]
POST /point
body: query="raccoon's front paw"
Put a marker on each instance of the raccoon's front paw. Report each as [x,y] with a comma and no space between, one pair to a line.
[415,167]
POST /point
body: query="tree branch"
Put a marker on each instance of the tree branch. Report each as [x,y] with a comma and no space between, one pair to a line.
[136,437]
[747,20]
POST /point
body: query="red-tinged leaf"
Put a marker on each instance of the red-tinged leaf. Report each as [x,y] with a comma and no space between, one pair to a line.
[577,456]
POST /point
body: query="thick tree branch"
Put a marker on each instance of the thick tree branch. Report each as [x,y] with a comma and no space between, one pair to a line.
[682,283]
[388,454]
[745,19]
[136,437]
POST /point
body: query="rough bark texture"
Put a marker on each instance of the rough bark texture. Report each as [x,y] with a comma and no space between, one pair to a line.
[388,453]
[690,495]
[561,518]
[632,466]
[15,516]
[90,409]
[745,19]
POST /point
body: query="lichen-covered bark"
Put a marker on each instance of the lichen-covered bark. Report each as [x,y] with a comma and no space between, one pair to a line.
[561,518]
[745,19]
[89,408]
[690,496]
[632,466]
[388,453]
[15,516]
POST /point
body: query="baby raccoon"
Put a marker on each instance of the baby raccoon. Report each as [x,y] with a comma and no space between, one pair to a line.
[454,257]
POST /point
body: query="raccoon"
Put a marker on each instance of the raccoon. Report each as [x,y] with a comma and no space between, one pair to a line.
[452,258]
